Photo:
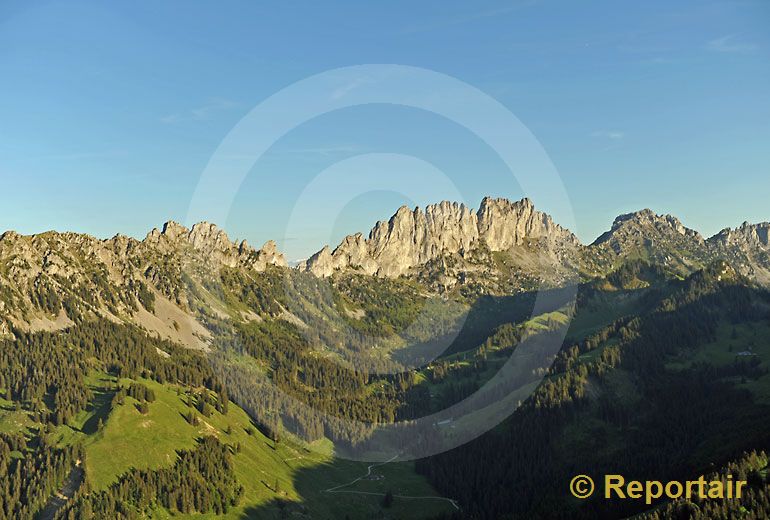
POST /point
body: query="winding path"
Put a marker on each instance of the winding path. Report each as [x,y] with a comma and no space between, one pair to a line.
[337,489]
[65,493]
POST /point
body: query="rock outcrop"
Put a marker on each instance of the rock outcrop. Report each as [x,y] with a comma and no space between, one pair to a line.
[214,244]
[747,248]
[51,279]
[413,238]
[647,223]
[745,236]
[114,278]
[504,224]
[661,239]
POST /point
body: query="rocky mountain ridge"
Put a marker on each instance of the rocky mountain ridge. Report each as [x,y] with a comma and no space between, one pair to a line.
[459,239]
[50,279]
[413,238]
[213,242]
[747,247]
[664,240]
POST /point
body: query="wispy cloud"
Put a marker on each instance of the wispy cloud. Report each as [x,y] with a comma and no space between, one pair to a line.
[615,135]
[201,113]
[729,43]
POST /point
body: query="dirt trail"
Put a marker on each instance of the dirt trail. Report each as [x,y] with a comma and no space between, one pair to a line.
[338,489]
[65,493]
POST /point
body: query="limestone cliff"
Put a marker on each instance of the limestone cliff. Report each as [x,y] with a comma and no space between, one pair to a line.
[413,238]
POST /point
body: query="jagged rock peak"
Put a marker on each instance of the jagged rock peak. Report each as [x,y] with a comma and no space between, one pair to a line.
[204,234]
[212,241]
[503,224]
[9,236]
[173,229]
[413,237]
[746,235]
[267,255]
[501,201]
[201,235]
[646,218]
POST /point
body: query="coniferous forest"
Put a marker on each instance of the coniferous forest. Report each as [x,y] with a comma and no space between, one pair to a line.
[632,396]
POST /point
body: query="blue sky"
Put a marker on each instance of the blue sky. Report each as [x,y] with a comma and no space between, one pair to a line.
[111,112]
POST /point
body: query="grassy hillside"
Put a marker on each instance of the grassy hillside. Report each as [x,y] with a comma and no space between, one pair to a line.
[287,477]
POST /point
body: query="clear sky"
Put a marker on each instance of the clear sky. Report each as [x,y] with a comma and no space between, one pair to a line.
[110,111]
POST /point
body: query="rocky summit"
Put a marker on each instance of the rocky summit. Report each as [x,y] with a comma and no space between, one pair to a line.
[459,241]
[50,279]
[413,238]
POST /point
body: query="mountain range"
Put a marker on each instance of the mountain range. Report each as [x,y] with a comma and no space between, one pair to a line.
[49,279]
[156,378]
